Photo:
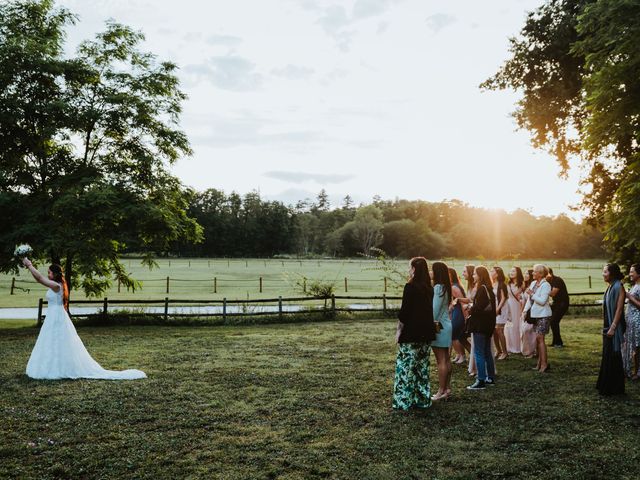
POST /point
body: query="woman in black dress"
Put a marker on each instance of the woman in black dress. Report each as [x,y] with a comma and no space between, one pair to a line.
[611,376]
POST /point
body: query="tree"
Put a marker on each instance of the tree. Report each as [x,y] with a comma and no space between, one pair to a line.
[84,147]
[323,201]
[576,64]
[366,228]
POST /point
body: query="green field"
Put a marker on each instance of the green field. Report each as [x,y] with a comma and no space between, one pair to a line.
[306,401]
[240,278]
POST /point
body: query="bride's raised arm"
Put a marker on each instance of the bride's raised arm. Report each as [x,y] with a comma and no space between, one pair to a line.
[39,277]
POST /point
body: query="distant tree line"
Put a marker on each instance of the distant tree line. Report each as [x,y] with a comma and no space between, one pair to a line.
[235,225]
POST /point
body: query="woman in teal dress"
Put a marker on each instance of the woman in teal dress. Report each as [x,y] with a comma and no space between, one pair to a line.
[442,344]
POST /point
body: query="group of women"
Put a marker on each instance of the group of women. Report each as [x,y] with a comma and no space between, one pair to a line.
[494,317]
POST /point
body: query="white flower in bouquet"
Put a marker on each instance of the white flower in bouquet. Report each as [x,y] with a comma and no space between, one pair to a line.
[23,250]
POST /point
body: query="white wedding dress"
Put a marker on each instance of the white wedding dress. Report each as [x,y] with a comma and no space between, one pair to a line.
[59,352]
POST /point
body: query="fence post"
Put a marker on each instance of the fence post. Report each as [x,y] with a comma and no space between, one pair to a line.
[260,284]
[333,303]
[346,285]
[13,284]
[166,308]
[385,284]
[105,306]
[215,284]
[384,302]
[39,312]
[280,306]
[167,284]
[304,284]
[118,285]
[589,281]
[224,309]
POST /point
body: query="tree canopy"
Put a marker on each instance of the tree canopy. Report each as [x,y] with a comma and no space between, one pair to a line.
[577,65]
[85,143]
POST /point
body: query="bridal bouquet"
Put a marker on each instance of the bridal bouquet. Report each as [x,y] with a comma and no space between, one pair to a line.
[22,251]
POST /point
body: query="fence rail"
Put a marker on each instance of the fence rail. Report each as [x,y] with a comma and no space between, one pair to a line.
[383,307]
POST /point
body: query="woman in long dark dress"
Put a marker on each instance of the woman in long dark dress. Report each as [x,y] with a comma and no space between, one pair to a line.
[611,376]
[416,330]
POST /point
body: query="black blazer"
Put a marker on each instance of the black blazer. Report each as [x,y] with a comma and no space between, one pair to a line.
[416,315]
[481,320]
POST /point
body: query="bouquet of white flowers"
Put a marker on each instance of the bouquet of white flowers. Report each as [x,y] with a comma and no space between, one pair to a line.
[22,251]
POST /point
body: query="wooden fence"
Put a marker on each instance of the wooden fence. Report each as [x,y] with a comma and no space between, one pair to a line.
[330,305]
[213,284]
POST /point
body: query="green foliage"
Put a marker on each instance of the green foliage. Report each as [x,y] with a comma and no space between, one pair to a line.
[84,147]
[576,63]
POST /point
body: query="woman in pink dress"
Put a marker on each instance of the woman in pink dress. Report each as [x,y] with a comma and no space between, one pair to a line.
[528,333]
[512,330]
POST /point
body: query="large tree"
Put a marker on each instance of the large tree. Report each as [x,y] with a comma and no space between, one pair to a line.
[84,146]
[577,65]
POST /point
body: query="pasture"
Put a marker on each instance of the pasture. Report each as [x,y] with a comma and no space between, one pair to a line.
[306,401]
[239,279]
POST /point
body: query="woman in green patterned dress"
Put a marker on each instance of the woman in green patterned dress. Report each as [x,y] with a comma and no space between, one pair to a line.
[416,330]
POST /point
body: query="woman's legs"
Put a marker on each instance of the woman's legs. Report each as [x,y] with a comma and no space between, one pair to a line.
[503,342]
[459,349]
[542,352]
[481,344]
[444,369]
[496,342]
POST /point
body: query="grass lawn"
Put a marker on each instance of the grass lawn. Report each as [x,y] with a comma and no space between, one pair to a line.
[306,401]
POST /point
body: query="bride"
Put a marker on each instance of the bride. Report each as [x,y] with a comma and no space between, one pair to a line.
[59,352]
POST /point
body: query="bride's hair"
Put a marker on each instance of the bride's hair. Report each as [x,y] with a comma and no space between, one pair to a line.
[58,276]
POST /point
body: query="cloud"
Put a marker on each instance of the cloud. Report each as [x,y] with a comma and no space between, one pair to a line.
[336,21]
[229,72]
[293,72]
[247,130]
[299,177]
[438,21]
[225,40]
[382,27]
[370,8]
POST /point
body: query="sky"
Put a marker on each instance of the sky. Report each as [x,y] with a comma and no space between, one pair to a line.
[359,97]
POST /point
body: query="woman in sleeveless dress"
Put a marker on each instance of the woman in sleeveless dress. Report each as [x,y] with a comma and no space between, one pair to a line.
[459,340]
[631,346]
[514,324]
[59,352]
[442,344]
[502,311]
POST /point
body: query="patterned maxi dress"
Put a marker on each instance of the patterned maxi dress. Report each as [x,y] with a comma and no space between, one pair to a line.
[632,335]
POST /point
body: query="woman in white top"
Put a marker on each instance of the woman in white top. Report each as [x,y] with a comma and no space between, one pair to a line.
[502,311]
[539,291]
